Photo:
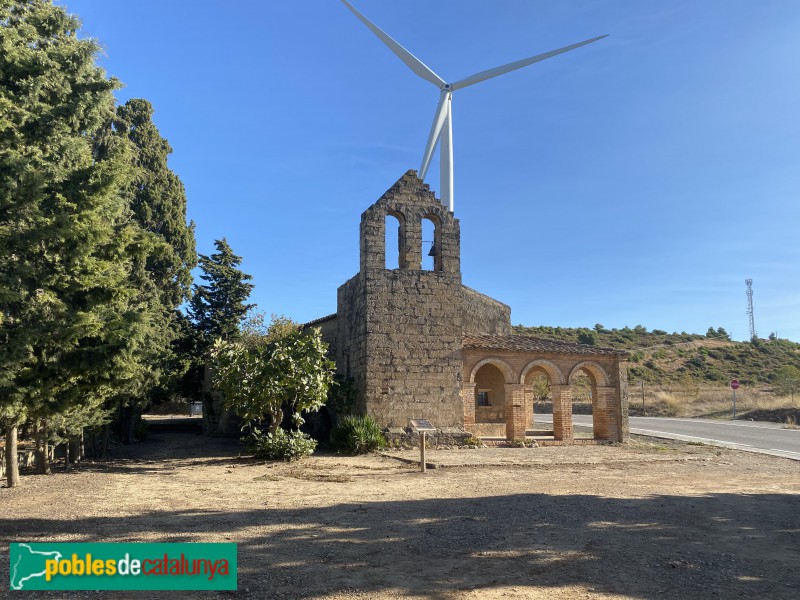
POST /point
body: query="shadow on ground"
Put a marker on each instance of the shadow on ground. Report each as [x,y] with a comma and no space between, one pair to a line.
[718,545]
[661,546]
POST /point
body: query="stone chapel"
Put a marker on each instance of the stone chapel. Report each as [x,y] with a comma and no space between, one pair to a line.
[421,345]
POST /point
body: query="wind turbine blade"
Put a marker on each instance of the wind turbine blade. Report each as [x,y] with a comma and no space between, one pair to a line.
[488,74]
[412,61]
[436,130]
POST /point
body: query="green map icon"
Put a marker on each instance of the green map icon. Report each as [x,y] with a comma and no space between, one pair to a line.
[27,564]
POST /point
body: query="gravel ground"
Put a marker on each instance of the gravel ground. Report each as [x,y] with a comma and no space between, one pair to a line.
[646,520]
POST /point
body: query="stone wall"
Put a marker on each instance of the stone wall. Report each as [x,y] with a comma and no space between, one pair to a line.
[399,330]
[329,329]
[217,420]
[26,457]
[413,348]
[483,315]
[351,334]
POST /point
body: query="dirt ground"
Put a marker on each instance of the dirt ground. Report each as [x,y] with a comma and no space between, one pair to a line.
[650,520]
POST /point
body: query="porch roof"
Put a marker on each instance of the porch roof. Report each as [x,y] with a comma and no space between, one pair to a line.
[524,343]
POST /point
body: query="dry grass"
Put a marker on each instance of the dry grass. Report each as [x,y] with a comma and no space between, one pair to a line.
[706,401]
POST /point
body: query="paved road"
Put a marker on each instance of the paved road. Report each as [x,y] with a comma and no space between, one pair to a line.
[752,436]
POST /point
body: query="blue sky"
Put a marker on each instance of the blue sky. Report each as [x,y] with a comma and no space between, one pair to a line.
[637,180]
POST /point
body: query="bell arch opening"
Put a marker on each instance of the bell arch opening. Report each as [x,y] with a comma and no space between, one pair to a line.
[395,241]
[431,243]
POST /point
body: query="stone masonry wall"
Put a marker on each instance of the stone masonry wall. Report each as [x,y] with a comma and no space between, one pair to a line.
[399,330]
[483,315]
[413,348]
[351,334]
[329,329]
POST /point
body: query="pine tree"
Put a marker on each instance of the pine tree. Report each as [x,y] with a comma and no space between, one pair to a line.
[218,308]
[216,311]
[65,233]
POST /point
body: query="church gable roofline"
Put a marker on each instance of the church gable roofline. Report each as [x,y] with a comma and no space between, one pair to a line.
[407,195]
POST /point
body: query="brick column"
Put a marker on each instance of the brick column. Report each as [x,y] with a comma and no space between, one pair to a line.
[562,413]
[529,417]
[515,411]
[604,414]
[468,398]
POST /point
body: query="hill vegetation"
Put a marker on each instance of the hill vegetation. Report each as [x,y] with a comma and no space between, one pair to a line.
[685,358]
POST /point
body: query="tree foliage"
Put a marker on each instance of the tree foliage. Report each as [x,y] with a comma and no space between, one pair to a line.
[289,373]
[219,306]
[157,200]
[65,233]
[95,253]
[787,381]
[161,261]
[541,388]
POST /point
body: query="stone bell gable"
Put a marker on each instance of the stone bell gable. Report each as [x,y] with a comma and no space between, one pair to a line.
[398,331]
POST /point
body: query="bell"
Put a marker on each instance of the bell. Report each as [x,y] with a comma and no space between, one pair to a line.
[433,250]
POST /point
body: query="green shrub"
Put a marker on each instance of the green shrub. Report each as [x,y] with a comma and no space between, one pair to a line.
[282,445]
[357,435]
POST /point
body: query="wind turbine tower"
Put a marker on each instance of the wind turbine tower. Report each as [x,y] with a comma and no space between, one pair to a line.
[442,128]
[749,284]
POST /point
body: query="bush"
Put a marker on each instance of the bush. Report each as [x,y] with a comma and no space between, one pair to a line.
[283,445]
[357,435]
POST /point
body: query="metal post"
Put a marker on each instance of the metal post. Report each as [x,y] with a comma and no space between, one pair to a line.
[734,404]
[422,451]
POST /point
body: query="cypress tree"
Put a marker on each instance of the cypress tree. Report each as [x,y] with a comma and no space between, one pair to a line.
[68,320]
[157,200]
[161,265]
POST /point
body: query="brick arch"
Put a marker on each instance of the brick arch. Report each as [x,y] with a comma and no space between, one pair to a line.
[598,373]
[505,369]
[553,372]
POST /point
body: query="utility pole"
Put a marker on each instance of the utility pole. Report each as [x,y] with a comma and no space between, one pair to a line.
[644,413]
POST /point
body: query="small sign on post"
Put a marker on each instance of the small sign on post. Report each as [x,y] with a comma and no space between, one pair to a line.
[421,426]
[734,387]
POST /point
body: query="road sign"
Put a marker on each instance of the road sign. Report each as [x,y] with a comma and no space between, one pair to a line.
[735,384]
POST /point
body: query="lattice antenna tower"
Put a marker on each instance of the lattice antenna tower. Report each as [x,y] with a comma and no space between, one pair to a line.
[749,284]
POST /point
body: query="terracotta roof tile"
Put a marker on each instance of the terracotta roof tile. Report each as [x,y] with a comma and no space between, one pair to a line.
[524,343]
[318,321]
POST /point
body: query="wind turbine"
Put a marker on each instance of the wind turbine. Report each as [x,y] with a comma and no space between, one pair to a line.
[442,128]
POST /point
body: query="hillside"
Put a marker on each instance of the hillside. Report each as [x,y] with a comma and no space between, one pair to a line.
[663,358]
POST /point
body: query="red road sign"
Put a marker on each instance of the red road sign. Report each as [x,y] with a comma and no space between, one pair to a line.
[735,384]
